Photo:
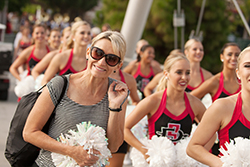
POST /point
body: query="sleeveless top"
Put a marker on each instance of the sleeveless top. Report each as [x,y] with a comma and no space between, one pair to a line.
[190,88]
[33,60]
[142,80]
[68,69]
[239,126]
[23,45]
[164,123]
[222,92]
[69,113]
[122,76]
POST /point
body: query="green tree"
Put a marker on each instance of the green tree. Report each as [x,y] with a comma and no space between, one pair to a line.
[112,12]
[159,30]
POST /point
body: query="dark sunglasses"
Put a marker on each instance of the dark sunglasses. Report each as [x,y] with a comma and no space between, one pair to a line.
[111,59]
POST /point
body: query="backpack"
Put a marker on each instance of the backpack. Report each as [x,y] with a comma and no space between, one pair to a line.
[18,152]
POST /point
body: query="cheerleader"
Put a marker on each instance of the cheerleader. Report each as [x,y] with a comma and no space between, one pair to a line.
[44,63]
[224,83]
[228,116]
[33,54]
[170,111]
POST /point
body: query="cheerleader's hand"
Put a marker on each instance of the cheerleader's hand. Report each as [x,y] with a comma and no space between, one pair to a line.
[118,93]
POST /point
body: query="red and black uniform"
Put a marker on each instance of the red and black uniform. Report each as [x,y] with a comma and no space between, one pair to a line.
[33,60]
[142,80]
[164,123]
[222,92]
[68,69]
[23,45]
[190,88]
[239,126]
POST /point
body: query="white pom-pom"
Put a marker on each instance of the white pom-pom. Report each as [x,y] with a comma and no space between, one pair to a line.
[39,81]
[236,154]
[183,159]
[161,152]
[90,137]
[207,100]
[25,86]
[137,157]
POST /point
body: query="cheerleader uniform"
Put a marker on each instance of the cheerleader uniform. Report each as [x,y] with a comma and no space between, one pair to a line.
[23,45]
[33,60]
[190,88]
[142,80]
[239,126]
[164,123]
[222,92]
[68,69]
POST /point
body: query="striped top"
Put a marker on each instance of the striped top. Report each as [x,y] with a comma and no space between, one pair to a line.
[69,113]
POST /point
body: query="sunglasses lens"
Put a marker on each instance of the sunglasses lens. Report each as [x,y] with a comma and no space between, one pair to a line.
[112,60]
[97,54]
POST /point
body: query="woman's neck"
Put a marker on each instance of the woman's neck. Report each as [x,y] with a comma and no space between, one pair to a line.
[80,51]
[174,95]
[40,45]
[229,74]
[94,85]
[195,66]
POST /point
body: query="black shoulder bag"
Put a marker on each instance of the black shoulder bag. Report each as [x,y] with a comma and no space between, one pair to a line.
[18,152]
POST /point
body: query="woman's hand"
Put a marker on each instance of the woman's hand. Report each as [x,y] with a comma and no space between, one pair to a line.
[118,92]
[83,158]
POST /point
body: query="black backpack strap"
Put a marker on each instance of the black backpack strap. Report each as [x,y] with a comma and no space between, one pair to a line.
[64,89]
[46,126]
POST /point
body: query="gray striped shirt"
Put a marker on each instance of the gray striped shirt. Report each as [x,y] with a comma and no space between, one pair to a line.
[69,113]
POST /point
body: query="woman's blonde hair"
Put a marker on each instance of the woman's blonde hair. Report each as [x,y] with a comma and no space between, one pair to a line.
[117,40]
[190,42]
[170,60]
[75,26]
[246,50]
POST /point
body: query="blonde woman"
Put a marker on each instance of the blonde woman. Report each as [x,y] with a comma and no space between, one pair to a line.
[90,96]
[170,108]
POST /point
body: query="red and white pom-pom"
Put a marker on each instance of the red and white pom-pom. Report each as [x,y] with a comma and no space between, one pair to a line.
[25,86]
[137,157]
[236,153]
[161,152]
[183,159]
[90,137]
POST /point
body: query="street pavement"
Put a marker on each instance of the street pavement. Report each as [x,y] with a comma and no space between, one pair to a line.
[7,109]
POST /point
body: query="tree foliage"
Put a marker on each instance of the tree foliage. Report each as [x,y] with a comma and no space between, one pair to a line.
[113,13]
[159,30]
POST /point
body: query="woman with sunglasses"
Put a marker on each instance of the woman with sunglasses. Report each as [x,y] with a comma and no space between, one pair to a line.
[228,116]
[143,70]
[170,111]
[90,96]
[33,54]
[44,63]
[72,60]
